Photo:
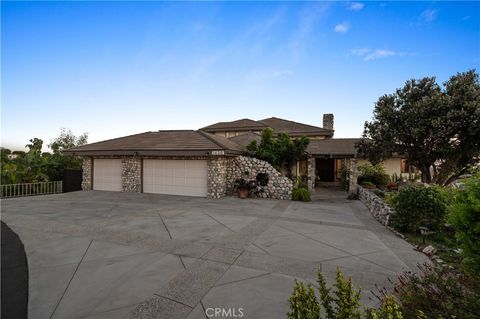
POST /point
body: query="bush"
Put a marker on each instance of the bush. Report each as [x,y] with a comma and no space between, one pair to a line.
[343,302]
[436,292]
[374,174]
[416,206]
[379,193]
[301,194]
[465,219]
[392,186]
[368,185]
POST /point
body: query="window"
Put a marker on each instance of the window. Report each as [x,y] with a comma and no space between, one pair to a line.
[404,166]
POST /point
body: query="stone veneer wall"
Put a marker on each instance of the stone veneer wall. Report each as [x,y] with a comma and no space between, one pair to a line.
[217,177]
[352,177]
[87,174]
[311,174]
[132,174]
[278,187]
[377,207]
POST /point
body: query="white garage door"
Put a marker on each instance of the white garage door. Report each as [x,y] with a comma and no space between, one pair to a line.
[107,174]
[175,177]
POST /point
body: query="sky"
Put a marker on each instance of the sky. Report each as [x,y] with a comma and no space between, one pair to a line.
[117,68]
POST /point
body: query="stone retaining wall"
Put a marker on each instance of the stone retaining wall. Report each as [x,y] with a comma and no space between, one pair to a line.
[278,187]
[377,207]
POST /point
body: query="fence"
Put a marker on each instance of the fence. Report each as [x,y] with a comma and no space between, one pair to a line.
[31,189]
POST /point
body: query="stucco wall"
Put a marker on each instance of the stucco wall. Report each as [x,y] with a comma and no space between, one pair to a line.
[391,165]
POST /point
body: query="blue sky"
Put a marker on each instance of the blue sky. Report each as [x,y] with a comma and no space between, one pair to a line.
[118,68]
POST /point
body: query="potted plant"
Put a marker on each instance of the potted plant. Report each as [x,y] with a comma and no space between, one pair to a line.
[244,186]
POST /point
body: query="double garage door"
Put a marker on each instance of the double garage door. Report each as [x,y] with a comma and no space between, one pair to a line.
[174,177]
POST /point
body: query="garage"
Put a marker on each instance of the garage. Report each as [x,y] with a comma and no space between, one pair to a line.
[107,174]
[175,177]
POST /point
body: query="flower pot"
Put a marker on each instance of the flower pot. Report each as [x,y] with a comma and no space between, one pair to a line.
[243,193]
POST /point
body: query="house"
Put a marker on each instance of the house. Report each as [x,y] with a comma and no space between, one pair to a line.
[205,162]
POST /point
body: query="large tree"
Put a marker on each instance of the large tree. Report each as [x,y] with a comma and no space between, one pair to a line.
[59,162]
[436,128]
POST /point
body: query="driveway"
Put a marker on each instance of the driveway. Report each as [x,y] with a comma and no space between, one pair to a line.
[123,255]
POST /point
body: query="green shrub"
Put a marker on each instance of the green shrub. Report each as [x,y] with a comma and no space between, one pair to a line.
[301,194]
[368,185]
[374,174]
[341,303]
[379,193]
[416,206]
[436,292]
[465,218]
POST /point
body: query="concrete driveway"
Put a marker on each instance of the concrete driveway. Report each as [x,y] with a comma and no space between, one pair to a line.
[119,255]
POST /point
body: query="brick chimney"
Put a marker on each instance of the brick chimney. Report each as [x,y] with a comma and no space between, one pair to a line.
[328,121]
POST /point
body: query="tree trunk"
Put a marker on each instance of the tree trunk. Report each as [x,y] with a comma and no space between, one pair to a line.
[426,175]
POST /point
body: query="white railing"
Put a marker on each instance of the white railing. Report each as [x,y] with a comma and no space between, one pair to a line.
[30,189]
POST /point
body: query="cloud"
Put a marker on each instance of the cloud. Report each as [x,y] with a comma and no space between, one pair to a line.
[355,6]
[342,27]
[369,54]
[429,15]
[378,54]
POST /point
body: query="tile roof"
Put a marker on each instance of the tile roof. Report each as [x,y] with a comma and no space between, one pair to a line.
[243,124]
[277,124]
[245,139]
[294,128]
[178,142]
[333,146]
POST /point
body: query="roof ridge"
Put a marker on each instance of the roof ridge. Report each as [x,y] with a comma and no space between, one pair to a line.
[205,134]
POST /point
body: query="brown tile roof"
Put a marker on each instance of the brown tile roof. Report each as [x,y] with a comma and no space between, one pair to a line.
[294,128]
[333,146]
[245,139]
[277,124]
[240,125]
[180,142]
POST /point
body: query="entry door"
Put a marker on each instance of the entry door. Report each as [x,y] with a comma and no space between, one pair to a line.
[107,174]
[175,177]
[325,168]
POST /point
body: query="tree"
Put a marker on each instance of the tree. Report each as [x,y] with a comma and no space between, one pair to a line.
[67,140]
[59,162]
[436,128]
[35,145]
[282,152]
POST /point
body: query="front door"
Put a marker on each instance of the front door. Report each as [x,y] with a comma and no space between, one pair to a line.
[325,168]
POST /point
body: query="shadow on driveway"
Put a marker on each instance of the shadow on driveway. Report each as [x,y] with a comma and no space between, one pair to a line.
[14,275]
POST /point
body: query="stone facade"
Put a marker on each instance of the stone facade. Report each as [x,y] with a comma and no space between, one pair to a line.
[377,207]
[87,174]
[352,177]
[132,174]
[278,187]
[222,173]
[217,177]
[311,174]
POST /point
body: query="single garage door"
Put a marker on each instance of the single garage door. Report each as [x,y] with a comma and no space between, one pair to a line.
[107,174]
[175,177]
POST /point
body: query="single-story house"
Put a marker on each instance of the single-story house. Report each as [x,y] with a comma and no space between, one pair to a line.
[206,161]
